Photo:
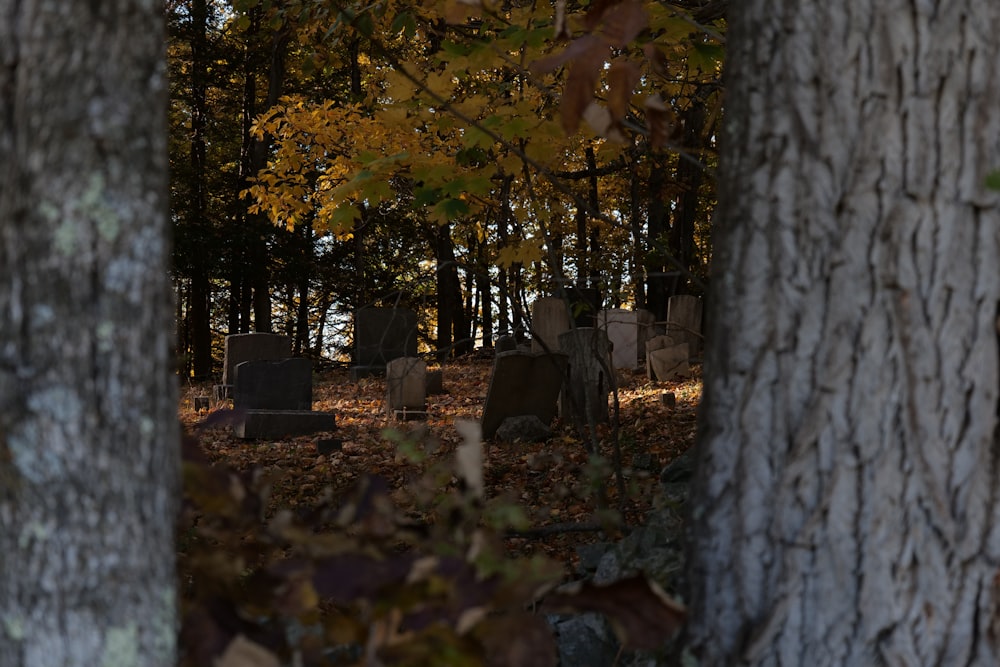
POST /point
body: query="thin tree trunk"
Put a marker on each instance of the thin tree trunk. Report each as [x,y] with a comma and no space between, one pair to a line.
[89,454]
[845,509]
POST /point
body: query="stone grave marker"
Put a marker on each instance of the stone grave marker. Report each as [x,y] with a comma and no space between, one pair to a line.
[549,318]
[523,384]
[406,387]
[669,362]
[627,331]
[587,382]
[656,343]
[250,347]
[684,321]
[273,385]
[381,335]
[273,399]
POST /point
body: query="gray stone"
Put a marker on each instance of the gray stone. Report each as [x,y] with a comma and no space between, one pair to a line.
[273,385]
[505,343]
[684,320]
[668,363]
[253,347]
[384,334]
[523,384]
[656,343]
[585,640]
[276,424]
[406,384]
[523,428]
[627,331]
[588,381]
[549,318]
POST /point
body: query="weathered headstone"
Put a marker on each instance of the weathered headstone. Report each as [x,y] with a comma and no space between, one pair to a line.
[523,384]
[505,343]
[273,385]
[587,383]
[406,386]
[656,343]
[274,424]
[627,331]
[667,363]
[381,335]
[684,320]
[249,347]
[549,318]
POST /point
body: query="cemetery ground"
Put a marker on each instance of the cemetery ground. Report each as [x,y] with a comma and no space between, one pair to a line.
[554,483]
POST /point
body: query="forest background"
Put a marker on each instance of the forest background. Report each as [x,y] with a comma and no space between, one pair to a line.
[456,157]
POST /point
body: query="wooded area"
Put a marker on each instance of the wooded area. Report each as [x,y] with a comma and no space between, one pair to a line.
[327,157]
[839,505]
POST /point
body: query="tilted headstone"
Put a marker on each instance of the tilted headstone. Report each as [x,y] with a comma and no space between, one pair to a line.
[667,363]
[523,384]
[273,385]
[656,343]
[406,385]
[684,320]
[587,383]
[627,331]
[549,318]
[383,334]
[253,347]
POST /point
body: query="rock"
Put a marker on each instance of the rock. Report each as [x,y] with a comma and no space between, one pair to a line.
[525,428]
[584,640]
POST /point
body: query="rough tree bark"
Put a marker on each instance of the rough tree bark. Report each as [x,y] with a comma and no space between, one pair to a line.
[845,510]
[88,427]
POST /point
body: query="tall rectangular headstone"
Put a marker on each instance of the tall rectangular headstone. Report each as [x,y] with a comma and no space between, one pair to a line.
[406,385]
[587,382]
[523,384]
[253,347]
[627,331]
[684,321]
[383,334]
[273,385]
[549,318]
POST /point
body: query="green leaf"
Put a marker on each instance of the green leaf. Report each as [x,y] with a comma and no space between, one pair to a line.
[447,210]
[476,138]
[706,57]
[425,196]
[993,180]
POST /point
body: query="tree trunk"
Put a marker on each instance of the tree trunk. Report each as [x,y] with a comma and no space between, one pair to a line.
[845,507]
[89,451]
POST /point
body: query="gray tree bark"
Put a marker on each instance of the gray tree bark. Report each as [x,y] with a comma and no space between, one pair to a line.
[845,510]
[89,450]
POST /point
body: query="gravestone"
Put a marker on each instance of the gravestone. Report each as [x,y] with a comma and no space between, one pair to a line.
[549,318]
[381,335]
[250,347]
[627,331]
[656,343]
[273,399]
[273,385]
[523,384]
[587,383]
[275,424]
[684,321]
[406,387]
[435,382]
[667,363]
